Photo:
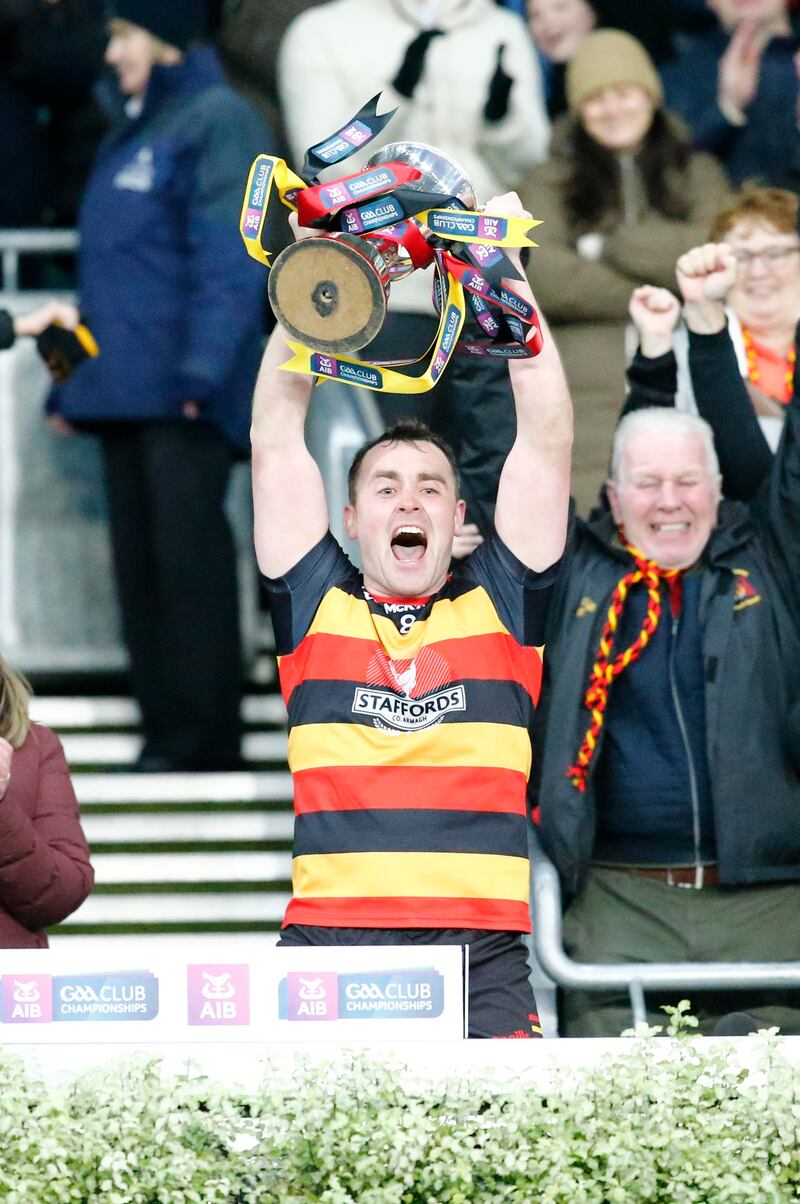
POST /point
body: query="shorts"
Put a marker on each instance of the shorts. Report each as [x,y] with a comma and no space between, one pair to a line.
[501,1001]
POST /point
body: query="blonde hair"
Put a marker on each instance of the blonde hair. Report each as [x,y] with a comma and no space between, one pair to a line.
[15,692]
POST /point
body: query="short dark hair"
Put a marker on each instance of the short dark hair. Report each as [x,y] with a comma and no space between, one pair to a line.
[410,430]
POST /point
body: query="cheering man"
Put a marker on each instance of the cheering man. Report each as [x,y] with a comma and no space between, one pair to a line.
[410,690]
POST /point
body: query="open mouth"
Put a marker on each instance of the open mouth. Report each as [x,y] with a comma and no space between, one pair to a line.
[409,543]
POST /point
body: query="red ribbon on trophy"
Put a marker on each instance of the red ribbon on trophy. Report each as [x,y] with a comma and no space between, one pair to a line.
[409,206]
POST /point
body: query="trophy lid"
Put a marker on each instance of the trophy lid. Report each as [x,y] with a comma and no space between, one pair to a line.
[440,172]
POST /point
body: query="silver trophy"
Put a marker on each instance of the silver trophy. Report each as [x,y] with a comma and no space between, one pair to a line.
[331,291]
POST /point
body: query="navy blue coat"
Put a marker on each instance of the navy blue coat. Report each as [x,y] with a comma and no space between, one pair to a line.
[165,283]
[767,148]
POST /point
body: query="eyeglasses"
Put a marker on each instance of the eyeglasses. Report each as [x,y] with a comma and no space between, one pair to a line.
[771,257]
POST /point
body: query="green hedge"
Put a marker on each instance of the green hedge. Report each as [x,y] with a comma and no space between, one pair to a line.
[661,1123]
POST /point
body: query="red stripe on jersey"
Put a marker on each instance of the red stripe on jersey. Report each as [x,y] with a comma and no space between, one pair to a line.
[497,915]
[409,787]
[492,657]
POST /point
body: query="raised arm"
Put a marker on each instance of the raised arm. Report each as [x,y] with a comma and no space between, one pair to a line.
[533,493]
[291,513]
[705,276]
[652,373]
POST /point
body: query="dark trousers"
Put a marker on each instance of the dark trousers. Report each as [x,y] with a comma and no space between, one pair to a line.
[620,917]
[175,565]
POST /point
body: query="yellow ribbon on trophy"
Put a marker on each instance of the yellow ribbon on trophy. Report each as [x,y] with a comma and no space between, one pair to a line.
[270,173]
[486,229]
[379,377]
[266,171]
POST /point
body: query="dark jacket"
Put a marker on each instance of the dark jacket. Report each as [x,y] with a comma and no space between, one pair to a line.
[767,147]
[44,859]
[165,284]
[750,619]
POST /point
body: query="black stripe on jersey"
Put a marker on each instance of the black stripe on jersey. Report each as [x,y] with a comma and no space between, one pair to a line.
[410,831]
[486,702]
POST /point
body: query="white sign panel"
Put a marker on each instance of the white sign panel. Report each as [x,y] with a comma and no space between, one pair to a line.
[313,993]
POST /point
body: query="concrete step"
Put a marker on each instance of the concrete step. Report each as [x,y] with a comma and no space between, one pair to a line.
[195,907]
[182,789]
[172,869]
[177,854]
[190,827]
[116,748]
[239,946]
[116,712]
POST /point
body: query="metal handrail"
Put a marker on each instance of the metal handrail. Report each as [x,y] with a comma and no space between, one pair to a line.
[14,243]
[636,977]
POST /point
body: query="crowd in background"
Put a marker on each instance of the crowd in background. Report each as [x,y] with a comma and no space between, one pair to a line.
[658,144]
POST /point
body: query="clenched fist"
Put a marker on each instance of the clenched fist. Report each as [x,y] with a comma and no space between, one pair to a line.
[706,273]
[654,312]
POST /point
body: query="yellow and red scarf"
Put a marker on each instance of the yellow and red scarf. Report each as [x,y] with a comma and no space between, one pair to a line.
[605,669]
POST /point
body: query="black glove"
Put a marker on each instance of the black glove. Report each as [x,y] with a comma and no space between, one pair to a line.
[500,85]
[413,62]
[62,350]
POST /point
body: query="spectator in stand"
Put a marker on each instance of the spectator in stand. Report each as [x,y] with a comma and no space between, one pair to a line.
[176,308]
[465,79]
[44,872]
[621,196]
[670,775]
[751,363]
[736,87]
[558,27]
[762,301]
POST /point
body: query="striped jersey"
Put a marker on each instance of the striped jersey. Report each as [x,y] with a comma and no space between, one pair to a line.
[409,741]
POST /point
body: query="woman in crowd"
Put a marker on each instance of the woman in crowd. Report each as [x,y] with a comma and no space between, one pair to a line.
[733,360]
[558,27]
[762,302]
[176,307]
[44,869]
[621,197]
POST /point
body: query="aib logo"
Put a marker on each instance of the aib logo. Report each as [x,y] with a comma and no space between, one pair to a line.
[413,994]
[219,994]
[312,996]
[27,999]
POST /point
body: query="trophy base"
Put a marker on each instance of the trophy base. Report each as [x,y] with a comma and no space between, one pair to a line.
[330,292]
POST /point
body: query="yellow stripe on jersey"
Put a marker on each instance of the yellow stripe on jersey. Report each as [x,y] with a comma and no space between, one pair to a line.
[429,875]
[487,745]
[340,613]
[471,614]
